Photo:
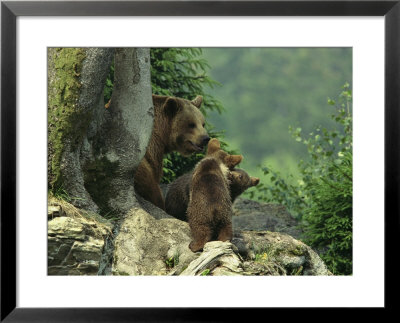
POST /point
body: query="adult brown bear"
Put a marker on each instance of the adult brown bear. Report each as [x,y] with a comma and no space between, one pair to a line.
[178,126]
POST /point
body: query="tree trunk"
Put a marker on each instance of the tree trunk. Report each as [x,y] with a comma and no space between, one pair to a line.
[93,151]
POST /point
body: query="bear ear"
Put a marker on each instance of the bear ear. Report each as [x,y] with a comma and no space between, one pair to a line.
[254,181]
[234,176]
[233,160]
[197,101]
[213,146]
[171,106]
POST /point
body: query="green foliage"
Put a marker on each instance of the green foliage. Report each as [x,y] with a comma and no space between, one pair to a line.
[322,198]
[171,262]
[327,222]
[261,257]
[280,190]
[182,72]
[174,165]
[61,194]
[205,272]
[297,271]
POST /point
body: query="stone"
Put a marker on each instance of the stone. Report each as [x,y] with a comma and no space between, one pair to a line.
[218,258]
[147,246]
[252,215]
[280,253]
[76,241]
[147,241]
[54,211]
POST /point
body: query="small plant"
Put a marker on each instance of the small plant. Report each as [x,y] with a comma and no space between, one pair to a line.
[297,271]
[173,261]
[61,194]
[205,272]
[263,257]
[111,216]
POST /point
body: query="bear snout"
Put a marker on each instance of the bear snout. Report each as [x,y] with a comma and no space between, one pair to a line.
[206,139]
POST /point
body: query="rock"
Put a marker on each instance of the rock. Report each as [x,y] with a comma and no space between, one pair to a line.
[54,211]
[257,253]
[218,258]
[76,241]
[279,253]
[147,246]
[150,208]
[147,241]
[252,215]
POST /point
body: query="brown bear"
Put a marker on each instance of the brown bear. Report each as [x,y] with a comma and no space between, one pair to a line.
[177,198]
[209,210]
[178,126]
[240,181]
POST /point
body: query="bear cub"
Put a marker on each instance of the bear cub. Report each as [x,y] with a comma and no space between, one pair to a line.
[177,198]
[240,181]
[209,211]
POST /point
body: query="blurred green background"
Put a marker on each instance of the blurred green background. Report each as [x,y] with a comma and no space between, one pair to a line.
[266,90]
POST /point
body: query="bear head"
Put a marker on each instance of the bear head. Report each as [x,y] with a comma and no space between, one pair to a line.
[188,134]
[214,150]
[241,180]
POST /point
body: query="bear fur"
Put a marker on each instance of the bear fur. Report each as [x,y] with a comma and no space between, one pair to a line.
[178,126]
[209,210]
[240,181]
[177,198]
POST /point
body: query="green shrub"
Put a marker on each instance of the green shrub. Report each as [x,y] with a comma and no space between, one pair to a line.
[322,198]
[327,222]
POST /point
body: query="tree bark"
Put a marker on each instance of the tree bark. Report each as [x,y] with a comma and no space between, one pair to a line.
[93,151]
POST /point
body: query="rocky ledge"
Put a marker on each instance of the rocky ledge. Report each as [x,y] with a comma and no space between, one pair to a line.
[147,241]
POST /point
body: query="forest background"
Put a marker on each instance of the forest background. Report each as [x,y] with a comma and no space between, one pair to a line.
[267,90]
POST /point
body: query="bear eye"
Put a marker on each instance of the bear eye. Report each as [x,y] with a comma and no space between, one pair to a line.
[192,125]
[204,125]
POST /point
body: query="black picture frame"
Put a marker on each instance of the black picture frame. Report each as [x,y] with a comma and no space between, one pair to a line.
[10,10]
